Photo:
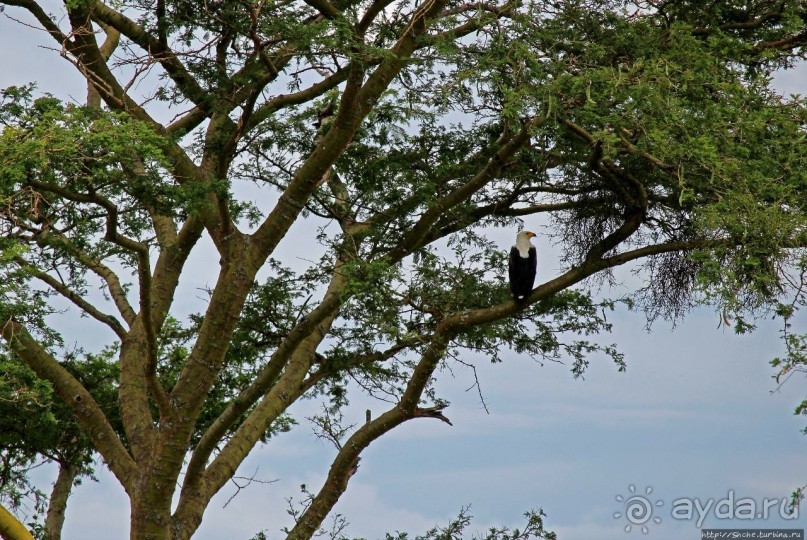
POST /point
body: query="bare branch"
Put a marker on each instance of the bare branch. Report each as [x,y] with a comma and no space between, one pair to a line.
[77,299]
[154,47]
[246,483]
[96,266]
[47,23]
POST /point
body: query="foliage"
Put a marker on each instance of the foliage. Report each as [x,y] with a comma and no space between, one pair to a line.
[534,528]
[36,427]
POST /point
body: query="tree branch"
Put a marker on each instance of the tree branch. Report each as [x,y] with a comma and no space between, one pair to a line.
[146,318]
[325,8]
[750,24]
[112,212]
[414,237]
[74,297]
[287,100]
[792,42]
[116,290]
[106,49]
[476,317]
[369,16]
[156,48]
[76,397]
[57,504]
[357,101]
[476,22]
[296,350]
[168,268]
[90,61]
[39,14]
[129,362]
[347,460]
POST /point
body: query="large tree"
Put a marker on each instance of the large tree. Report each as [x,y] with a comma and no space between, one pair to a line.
[643,133]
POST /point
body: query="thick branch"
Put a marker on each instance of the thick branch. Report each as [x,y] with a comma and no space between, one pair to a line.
[234,283]
[76,397]
[154,47]
[792,42]
[296,355]
[106,49]
[113,283]
[168,268]
[325,8]
[162,222]
[357,101]
[198,488]
[308,176]
[57,504]
[150,334]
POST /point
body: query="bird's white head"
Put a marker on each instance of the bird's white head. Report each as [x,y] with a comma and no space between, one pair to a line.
[523,242]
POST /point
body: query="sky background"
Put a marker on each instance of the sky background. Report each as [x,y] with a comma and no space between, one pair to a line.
[696,414]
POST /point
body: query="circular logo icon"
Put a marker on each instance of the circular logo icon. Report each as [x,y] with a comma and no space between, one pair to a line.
[638,509]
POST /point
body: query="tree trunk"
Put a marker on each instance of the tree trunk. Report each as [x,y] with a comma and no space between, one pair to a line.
[151,497]
[58,501]
[150,518]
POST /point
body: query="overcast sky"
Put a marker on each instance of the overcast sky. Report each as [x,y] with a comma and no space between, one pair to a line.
[697,414]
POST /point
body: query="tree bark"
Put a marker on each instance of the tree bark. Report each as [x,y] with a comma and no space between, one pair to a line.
[54,521]
[151,508]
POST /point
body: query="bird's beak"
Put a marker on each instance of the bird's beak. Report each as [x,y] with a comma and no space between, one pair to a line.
[532,234]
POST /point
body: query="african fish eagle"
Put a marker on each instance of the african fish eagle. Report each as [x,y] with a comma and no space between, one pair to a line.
[523,261]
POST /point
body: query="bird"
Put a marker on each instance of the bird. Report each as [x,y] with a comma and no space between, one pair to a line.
[522,265]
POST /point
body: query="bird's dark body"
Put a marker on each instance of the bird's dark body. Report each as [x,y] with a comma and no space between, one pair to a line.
[522,273]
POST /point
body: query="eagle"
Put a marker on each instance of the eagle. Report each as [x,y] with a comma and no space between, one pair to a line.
[523,262]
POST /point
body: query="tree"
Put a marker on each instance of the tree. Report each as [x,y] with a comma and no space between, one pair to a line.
[34,427]
[644,134]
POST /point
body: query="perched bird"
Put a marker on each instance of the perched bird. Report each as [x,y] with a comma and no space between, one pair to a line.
[523,261]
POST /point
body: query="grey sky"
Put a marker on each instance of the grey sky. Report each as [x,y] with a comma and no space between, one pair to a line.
[695,415]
